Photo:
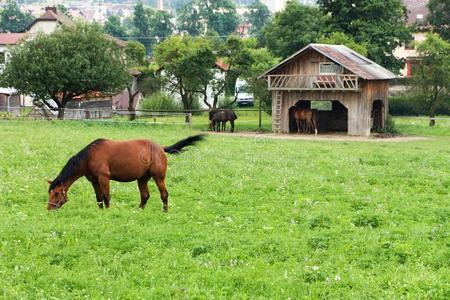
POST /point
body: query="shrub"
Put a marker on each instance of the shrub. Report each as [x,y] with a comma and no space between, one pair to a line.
[389,128]
[411,105]
[160,101]
[227,102]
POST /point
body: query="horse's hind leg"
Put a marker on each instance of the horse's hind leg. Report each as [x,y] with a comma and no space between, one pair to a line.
[143,189]
[160,182]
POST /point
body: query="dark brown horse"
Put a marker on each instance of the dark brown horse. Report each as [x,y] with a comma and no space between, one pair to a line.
[126,161]
[306,118]
[219,118]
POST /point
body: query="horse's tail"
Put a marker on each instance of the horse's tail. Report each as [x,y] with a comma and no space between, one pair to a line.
[178,147]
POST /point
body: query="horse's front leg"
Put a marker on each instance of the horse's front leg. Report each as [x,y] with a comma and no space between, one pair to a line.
[143,189]
[104,188]
[298,125]
[98,194]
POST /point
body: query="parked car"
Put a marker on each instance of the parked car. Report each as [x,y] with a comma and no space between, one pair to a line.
[244,95]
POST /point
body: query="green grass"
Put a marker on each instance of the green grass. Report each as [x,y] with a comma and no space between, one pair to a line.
[249,218]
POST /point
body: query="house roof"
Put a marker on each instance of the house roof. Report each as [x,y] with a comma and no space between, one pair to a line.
[346,57]
[11,38]
[52,14]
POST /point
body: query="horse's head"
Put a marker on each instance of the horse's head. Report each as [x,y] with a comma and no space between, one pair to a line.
[57,195]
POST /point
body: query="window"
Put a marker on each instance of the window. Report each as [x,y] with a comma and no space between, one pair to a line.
[2,58]
[329,68]
[322,105]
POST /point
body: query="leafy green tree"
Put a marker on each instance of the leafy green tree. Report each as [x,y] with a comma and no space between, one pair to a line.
[258,15]
[160,24]
[12,19]
[190,19]
[439,17]
[72,61]
[293,28]
[236,53]
[184,61]
[262,61]
[141,25]
[199,15]
[114,27]
[340,38]
[431,80]
[379,23]
[221,16]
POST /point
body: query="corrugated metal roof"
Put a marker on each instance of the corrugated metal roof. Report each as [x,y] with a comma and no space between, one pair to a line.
[346,57]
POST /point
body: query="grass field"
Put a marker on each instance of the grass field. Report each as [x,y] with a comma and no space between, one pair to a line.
[249,218]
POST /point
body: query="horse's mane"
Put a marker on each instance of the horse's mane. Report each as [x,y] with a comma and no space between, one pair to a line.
[68,170]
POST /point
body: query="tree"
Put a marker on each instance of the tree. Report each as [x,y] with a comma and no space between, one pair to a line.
[439,17]
[221,16]
[134,61]
[258,15]
[379,23]
[160,24]
[71,62]
[12,19]
[431,81]
[190,19]
[198,16]
[293,28]
[141,25]
[340,38]
[236,53]
[262,61]
[184,61]
[114,27]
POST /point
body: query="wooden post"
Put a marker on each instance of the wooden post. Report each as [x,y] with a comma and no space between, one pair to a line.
[260,115]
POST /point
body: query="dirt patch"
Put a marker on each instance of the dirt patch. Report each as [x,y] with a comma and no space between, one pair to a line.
[323,137]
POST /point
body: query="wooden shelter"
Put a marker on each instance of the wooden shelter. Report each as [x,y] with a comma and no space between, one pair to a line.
[352,90]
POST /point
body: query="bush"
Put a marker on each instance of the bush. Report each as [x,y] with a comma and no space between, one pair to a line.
[405,105]
[226,103]
[410,105]
[389,128]
[160,101]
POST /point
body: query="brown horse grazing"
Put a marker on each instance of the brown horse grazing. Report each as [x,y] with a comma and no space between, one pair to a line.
[307,117]
[105,160]
[219,118]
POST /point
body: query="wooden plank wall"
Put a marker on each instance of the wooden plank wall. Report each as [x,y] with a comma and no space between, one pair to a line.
[358,104]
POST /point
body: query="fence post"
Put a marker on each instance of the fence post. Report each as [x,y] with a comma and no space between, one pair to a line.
[190,119]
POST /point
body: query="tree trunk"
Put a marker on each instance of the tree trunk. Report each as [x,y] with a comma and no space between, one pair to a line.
[216,101]
[432,120]
[62,109]
[131,108]
[185,98]
[205,100]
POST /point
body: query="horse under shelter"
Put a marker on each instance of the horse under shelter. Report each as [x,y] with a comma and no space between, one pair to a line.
[347,91]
